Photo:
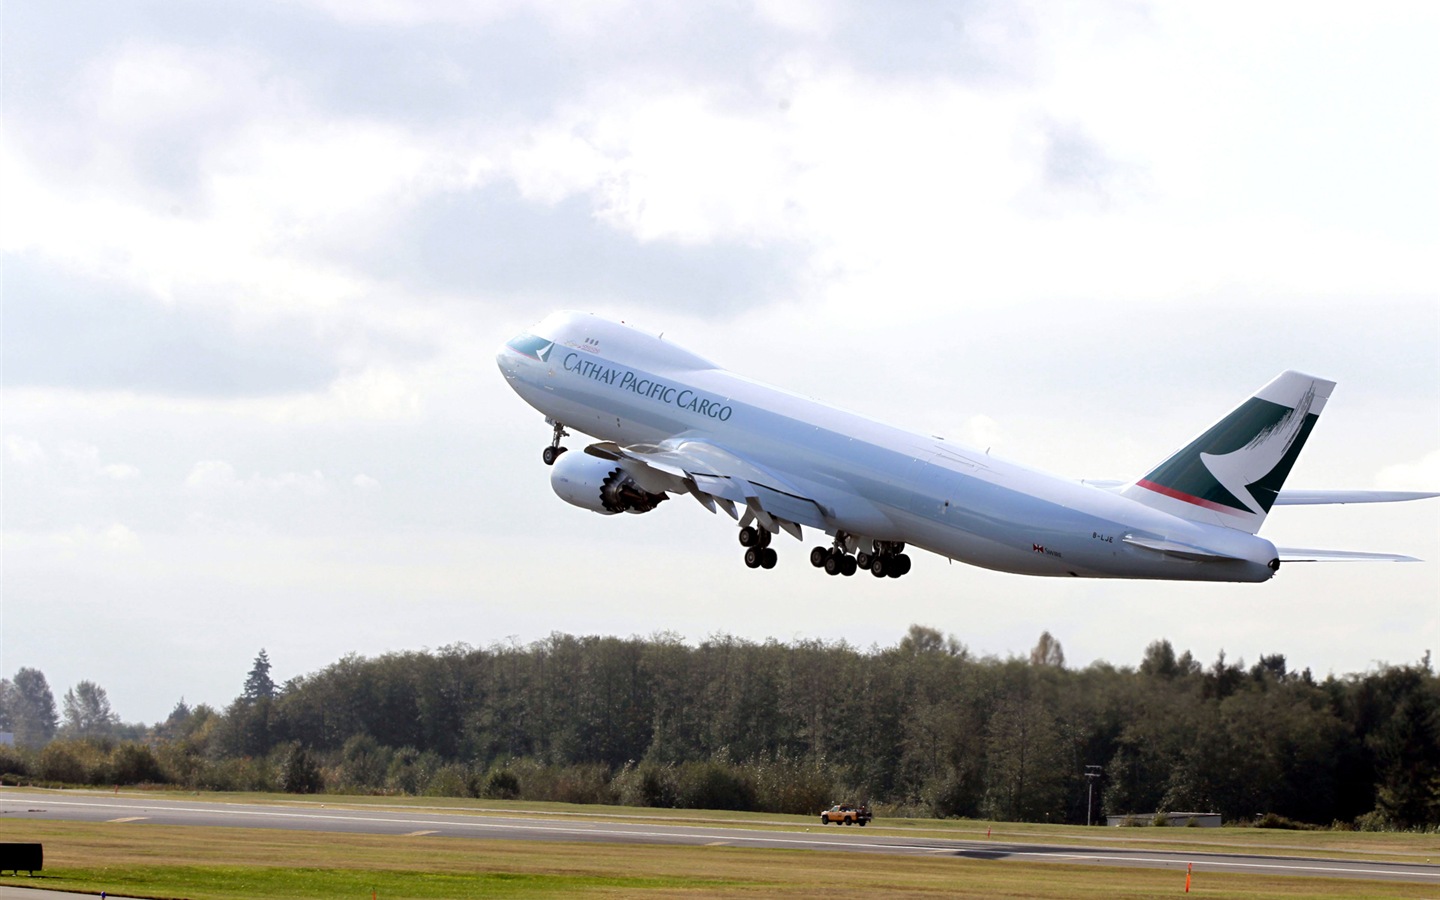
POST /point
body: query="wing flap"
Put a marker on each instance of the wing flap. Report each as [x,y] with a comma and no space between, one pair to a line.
[790,506]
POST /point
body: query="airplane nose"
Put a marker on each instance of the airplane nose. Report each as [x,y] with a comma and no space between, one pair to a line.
[505,359]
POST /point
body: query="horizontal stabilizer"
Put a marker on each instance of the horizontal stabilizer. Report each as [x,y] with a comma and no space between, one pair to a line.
[1315,498]
[1175,548]
[1293,554]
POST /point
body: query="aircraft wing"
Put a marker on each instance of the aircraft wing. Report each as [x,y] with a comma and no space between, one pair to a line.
[716,477]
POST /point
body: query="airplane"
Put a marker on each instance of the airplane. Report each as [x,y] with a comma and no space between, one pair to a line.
[669,422]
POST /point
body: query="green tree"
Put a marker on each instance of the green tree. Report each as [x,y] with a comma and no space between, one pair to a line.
[248,726]
[924,639]
[32,708]
[88,713]
[6,689]
[1048,652]
[1025,757]
[1407,749]
[299,773]
[258,685]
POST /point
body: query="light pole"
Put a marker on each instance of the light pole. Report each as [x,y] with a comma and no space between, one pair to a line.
[1091,773]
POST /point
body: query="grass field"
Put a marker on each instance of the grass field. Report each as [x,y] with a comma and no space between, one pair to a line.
[160,861]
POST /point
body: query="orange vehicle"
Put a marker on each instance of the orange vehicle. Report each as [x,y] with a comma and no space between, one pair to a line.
[845,814]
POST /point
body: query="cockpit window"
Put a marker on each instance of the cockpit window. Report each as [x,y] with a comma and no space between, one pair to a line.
[532,346]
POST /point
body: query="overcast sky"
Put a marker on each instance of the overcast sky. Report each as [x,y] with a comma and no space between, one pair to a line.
[258,258]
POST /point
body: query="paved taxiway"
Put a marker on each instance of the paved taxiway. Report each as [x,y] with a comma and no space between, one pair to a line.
[358,818]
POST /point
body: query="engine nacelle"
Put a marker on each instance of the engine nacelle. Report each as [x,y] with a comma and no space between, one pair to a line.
[599,485]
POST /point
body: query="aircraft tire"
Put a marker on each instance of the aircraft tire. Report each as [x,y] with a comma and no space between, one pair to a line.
[768,558]
[848,566]
[818,557]
[833,564]
[551,454]
[764,537]
[749,537]
[752,557]
[877,567]
[904,564]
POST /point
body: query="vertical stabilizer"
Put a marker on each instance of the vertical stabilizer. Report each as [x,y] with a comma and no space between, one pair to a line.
[1231,474]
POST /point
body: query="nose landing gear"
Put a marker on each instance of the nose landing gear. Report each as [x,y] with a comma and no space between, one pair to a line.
[553,451]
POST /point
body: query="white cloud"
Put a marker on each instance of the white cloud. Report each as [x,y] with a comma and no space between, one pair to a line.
[983,431]
[23,451]
[365,483]
[118,537]
[217,479]
[212,478]
[84,460]
[1420,475]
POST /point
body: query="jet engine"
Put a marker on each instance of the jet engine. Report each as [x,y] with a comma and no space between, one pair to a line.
[599,485]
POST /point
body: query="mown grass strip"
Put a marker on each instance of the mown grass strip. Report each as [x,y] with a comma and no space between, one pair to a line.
[226,882]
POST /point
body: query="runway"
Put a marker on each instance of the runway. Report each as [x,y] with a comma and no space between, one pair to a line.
[356,817]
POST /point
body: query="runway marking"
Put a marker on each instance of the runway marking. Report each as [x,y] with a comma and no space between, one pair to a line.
[419,833]
[718,844]
[129,819]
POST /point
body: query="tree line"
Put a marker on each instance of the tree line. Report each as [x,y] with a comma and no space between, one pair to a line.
[919,728]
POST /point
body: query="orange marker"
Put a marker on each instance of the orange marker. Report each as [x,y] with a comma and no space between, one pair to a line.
[1189,867]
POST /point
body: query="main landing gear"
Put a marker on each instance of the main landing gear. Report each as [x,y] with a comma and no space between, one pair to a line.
[553,451]
[887,560]
[758,554]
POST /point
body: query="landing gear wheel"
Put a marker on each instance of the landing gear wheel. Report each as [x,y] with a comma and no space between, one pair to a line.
[904,563]
[765,537]
[752,557]
[834,562]
[877,567]
[818,557]
[768,558]
[848,566]
[749,537]
[553,451]
[862,559]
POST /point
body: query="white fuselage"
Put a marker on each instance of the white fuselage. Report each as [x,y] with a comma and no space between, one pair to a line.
[870,479]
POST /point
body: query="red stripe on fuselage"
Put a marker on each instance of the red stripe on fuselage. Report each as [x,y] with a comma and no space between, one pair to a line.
[1188,498]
